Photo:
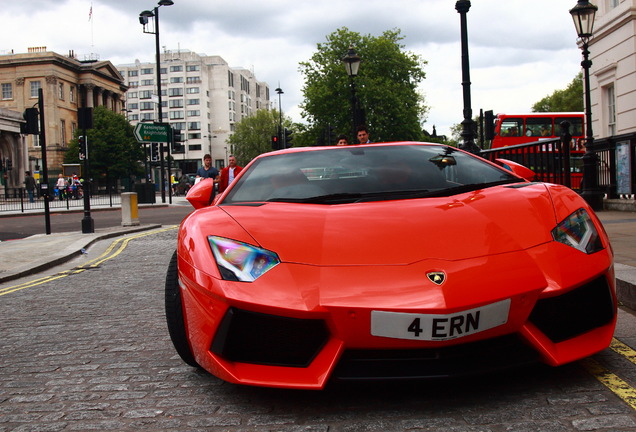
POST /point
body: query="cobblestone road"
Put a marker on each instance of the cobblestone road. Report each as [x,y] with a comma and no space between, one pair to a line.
[90,351]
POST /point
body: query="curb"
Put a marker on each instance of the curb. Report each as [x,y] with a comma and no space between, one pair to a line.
[72,250]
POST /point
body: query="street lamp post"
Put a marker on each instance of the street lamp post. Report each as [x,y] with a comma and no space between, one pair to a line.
[583,16]
[468,125]
[352,64]
[280,91]
[143,19]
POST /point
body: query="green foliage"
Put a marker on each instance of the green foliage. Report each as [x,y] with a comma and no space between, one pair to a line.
[253,135]
[568,100]
[386,87]
[112,148]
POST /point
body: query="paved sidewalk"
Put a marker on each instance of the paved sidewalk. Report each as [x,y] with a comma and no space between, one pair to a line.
[33,254]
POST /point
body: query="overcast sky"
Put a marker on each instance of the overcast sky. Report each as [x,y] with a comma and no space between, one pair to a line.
[520,51]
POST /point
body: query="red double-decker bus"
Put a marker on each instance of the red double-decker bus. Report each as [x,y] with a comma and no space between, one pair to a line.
[511,129]
[520,136]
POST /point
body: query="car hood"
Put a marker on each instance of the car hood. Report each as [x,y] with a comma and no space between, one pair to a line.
[491,221]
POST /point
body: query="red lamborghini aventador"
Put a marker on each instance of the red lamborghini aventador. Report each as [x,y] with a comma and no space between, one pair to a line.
[386,261]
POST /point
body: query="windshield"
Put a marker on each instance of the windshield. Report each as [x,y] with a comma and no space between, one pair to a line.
[373,173]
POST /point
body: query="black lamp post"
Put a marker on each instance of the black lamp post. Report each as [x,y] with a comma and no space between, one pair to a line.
[468,125]
[352,64]
[583,15]
[280,91]
[143,19]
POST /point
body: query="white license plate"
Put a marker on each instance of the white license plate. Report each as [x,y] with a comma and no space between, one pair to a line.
[431,327]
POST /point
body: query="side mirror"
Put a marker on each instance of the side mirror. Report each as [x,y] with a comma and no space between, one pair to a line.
[200,195]
[516,168]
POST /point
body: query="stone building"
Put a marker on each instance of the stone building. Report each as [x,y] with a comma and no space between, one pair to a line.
[67,84]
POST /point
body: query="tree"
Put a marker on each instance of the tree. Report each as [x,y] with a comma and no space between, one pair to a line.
[386,86]
[253,135]
[113,150]
[568,100]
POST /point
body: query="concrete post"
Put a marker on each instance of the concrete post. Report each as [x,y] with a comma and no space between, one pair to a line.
[129,209]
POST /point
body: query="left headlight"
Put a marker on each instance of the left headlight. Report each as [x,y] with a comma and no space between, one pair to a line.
[239,261]
[578,231]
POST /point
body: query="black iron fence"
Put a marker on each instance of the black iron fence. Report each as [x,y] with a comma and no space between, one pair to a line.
[18,199]
[556,162]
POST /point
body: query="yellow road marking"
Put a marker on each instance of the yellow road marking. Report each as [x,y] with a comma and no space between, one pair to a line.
[624,350]
[610,380]
[110,253]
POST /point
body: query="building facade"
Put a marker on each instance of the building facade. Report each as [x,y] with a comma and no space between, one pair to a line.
[202,96]
[613,72]
[67,84]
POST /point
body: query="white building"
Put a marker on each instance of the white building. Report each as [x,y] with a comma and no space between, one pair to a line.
[613,72]
[201,95]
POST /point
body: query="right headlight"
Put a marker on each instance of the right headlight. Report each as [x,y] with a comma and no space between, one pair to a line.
[579,232]
[239,261]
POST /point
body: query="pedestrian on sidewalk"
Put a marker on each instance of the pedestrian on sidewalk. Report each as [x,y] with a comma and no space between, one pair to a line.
[29,184]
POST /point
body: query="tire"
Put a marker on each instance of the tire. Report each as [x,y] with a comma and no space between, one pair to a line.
[174,314]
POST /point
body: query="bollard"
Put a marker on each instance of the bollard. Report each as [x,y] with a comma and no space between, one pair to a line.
[129,209]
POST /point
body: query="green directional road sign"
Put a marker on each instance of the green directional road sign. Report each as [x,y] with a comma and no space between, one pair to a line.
[152,132]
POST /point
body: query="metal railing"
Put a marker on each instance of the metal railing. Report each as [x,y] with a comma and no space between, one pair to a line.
[617,165]
[555,163]
[18,200]
[550,159]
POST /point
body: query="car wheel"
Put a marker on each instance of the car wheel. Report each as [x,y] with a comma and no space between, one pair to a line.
[174,314]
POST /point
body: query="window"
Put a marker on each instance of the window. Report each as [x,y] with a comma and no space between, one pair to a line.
[133,106]
[7,91]
[194,136]
[174,115]
[193,68]
[71,94]
[194,125]
[147,106]
[147,116]
[539,127]
[194,147]
[35,87]
[194,113]
[62,132]
[176,80]
[145,94]
[134,117]
[192,90]
[511,127]
[132,95]
[193,102]
[176,103]
[177,68]
[147,71]
[611,110]
[163,71]
[133,84]
[60,91]
[194,79]
[147,82]
[133,73]
[175,92]
[178,125]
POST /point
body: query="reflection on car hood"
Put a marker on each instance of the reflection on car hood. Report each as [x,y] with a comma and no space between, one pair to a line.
[485,222]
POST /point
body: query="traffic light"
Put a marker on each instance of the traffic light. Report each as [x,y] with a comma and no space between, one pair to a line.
[177,141]
[83,148]
[275,142]
[32,125]
[154,152]
[489,125]
[9,164]
[85,118]
[287,138]
[1,165]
